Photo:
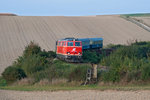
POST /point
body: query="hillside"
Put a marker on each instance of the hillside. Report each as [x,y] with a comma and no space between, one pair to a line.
[145,20]
[141,19]
[17,31]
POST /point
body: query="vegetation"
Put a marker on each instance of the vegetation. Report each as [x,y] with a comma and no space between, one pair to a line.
[68,87]
[138,15]
[2,82]
[91,57]
[127,64]
[39,65]
[12,74]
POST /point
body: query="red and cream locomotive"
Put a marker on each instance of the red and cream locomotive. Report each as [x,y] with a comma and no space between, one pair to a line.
[69,49]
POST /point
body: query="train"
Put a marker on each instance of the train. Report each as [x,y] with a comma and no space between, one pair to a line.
[71,49]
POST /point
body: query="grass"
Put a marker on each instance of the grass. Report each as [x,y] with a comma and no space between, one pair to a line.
[138,15]
[68,88]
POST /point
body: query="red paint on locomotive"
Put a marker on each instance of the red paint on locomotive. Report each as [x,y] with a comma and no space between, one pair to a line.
[69,49]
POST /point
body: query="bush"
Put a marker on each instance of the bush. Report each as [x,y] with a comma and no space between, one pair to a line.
[34,59]
[12,74]
[57,69]
[145,72]
[62,70]
[111,75]
[34,49]
[31,49]
[2,82]
[133,75]
[44,74]
[33,63]
[112,46]
[128,63]
[91,57]
[78,74]
[49,54]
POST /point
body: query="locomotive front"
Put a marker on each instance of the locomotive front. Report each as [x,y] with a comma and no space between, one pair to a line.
[69,50]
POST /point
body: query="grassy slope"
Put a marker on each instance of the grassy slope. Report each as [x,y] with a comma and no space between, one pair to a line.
[138,15]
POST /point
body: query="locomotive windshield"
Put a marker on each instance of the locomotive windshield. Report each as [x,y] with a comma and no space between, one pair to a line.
[77,44]
[70,43]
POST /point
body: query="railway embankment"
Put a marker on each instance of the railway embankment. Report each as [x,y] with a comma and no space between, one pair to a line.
[137,22]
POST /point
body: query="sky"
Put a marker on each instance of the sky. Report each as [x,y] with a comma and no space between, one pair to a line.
[73,7]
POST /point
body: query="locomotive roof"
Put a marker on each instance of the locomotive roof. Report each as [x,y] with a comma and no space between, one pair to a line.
[67,39]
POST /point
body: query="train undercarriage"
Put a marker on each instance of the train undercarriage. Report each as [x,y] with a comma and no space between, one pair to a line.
[70,58]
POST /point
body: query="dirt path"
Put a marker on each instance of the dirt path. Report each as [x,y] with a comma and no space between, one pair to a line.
[75,95]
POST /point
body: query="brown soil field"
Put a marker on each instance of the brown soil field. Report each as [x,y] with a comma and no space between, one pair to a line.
[75,95]
[17,31]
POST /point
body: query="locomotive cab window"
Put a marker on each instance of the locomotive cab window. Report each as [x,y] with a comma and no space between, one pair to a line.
[70,43]
[59,43]
[62,43]
[77,44]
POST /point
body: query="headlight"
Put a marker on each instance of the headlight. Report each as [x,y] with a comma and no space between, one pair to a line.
[68,53]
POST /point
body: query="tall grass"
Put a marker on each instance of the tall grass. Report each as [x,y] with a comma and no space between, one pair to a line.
[128,63]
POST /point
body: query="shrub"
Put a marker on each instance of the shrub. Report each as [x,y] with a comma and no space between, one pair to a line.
[34,59]
[112,46]
[133,75]
[91,57]
[33,63]
[62,70]
[49,54]
[145,72]
[31,49]
[128,63]
[44,74]
[78,74]
[111,75]
[2,82]
[12,74]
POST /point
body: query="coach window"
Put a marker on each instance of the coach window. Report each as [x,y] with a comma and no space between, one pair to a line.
[77,44]
[70,43]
